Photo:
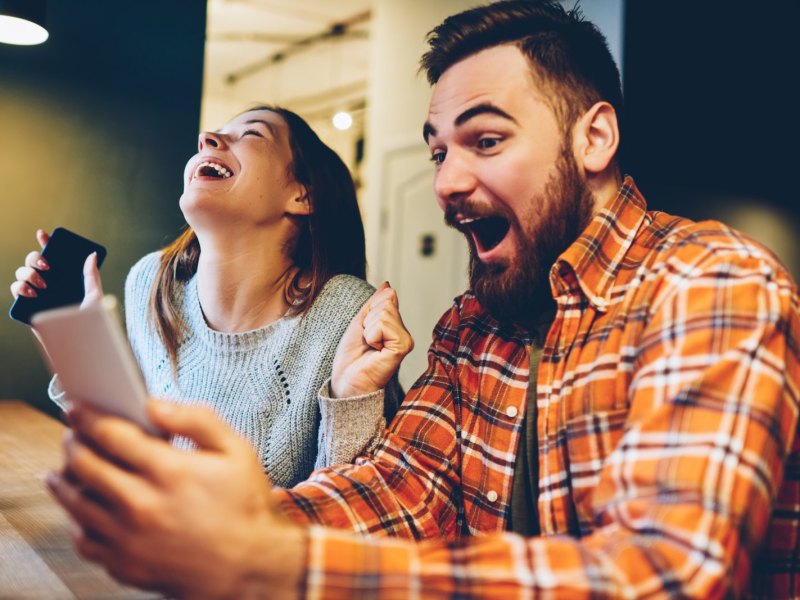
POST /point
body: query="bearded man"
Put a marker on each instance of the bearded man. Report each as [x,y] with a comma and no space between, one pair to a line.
[606,413]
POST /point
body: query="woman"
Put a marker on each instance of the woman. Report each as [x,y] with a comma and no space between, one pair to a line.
[245,309]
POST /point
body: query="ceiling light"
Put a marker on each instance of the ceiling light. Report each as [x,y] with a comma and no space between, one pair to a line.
[342,120]
[22,22]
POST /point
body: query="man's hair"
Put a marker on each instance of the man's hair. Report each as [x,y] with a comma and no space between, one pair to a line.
[569,56]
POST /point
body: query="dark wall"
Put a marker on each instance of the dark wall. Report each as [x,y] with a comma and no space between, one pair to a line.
[711,102]
[96,125]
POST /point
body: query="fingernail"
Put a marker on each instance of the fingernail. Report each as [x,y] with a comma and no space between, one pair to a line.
[52,479]
[42,264]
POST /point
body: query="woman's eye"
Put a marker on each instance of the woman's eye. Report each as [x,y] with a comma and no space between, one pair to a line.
[437,158]
[252,132]
[487,143]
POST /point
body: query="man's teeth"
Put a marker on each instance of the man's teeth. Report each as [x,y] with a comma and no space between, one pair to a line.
[223,172]
[467,221]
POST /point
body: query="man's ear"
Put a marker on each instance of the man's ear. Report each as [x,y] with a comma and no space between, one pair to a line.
[596,138]
[299,204]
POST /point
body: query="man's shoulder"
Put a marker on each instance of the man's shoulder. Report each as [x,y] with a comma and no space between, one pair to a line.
[694,243]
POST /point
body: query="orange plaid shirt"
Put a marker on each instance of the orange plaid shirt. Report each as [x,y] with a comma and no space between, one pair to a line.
[667,410]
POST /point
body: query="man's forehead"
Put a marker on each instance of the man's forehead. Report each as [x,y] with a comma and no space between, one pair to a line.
[498,77]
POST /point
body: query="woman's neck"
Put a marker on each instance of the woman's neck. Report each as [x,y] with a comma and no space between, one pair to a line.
[242,286]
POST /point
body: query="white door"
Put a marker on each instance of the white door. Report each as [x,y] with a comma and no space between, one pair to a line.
[423,259]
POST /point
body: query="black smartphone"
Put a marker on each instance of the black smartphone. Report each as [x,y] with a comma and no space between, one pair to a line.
[65,252]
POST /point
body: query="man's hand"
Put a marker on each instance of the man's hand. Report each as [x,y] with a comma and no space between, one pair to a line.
[372,348]
[190,524]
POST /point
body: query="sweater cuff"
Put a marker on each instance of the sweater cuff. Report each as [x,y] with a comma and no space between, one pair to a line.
[349,426]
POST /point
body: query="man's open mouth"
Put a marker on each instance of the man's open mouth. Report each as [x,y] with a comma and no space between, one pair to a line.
[487,232]
[212,169]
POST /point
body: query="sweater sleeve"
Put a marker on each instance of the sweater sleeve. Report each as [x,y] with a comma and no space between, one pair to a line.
[348,426]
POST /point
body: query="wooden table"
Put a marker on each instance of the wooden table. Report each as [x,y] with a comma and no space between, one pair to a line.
[37,559]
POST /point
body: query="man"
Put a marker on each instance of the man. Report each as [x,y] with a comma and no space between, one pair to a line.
[607,412]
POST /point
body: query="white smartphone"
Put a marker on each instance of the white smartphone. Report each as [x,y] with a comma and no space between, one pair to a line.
[89,351]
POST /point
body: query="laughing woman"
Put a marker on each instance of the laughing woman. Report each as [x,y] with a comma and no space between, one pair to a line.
[245,309]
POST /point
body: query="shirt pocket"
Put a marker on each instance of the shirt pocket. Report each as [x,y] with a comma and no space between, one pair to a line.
[589,440]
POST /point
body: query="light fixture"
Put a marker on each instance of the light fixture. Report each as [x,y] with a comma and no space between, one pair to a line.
[22,22]
[342,120]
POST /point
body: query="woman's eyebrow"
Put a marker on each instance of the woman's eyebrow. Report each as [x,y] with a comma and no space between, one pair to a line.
[271,126]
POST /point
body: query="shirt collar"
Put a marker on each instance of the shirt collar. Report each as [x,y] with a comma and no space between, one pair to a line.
[593,260]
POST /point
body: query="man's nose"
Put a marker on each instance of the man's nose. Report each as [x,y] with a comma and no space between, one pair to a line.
[208,140]
[455,178]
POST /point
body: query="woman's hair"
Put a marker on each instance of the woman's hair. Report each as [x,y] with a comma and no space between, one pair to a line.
[330,240]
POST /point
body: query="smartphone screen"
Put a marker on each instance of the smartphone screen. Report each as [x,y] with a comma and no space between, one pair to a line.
[65,252]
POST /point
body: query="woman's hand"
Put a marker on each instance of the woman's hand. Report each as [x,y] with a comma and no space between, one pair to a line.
[29,281]
[372,348]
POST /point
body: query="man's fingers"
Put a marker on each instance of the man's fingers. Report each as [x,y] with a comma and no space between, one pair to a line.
[83,509]
[197,423]
[105,478]
[117,438]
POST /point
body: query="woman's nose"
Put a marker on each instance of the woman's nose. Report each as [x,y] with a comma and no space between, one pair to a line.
[209,139]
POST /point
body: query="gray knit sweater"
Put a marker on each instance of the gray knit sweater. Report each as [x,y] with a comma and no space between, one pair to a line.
[265,383]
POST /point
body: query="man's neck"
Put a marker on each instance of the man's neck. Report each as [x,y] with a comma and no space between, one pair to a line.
[604,188]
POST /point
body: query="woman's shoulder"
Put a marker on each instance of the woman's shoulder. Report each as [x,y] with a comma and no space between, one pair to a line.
[341,297]
[144,270]
[344,287]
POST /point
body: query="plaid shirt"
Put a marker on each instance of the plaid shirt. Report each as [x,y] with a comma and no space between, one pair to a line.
[667,408]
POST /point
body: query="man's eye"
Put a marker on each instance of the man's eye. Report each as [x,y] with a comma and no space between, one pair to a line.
[437,158]
[487,143]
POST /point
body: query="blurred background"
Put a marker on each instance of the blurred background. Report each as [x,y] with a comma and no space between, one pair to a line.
[97,123]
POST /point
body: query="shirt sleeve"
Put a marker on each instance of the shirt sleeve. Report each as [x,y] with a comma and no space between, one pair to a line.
[683,501]
[405,486]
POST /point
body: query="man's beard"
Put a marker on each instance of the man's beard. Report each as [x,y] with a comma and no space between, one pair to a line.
[520,292]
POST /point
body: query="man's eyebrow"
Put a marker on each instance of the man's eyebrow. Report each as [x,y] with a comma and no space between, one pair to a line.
[480,109]
[427,131]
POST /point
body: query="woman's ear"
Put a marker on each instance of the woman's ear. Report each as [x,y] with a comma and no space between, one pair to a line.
[299,204]
[596,138]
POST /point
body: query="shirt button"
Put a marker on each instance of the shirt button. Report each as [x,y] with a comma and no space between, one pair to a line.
[512,411]
[491,496]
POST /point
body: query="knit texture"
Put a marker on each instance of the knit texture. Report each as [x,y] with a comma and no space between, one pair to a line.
[264,383]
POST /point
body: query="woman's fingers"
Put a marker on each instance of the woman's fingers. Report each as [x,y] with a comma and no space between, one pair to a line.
[28,279]
[93,285]
[30,276]
[42,237]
